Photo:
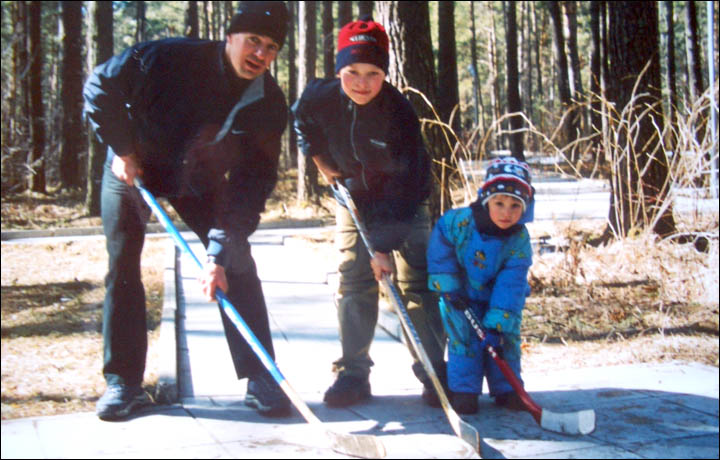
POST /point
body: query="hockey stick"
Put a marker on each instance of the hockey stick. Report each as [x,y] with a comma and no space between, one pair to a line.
[462,429]
[365,446]
[581,422]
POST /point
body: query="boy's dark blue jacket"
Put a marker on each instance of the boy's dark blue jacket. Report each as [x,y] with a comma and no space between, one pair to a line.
[197,128]
[378,148]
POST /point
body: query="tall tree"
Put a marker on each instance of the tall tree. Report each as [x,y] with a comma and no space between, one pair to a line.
[328,39]
[140,22]
[448,94]
[365,8]
[517,144]
[37,108]
[641,168]
[671,83]
[73,140]
[595,75]
[562,67]
[17,133]
[192,23]
[292,152]
[344,13]
[477,102]
[694,55]
[100,49]
[307,37]
[412,66]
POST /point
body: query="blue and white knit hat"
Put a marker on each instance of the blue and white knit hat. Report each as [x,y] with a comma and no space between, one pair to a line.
[507,177]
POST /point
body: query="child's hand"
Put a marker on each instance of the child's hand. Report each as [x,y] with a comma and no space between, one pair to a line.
[493,339]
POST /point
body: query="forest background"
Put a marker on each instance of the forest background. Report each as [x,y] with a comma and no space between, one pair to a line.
[616,91]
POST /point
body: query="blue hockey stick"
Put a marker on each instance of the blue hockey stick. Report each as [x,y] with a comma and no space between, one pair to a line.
[366,446]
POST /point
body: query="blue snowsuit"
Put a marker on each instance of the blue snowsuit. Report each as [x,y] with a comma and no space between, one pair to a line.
[490,272]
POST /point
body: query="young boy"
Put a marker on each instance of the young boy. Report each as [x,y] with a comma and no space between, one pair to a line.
[359,129]
[478,258]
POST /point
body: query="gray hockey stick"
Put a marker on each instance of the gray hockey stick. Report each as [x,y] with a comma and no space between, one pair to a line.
[365,446]
[462,429]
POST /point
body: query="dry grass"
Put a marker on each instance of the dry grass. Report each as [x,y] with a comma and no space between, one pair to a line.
[51,320]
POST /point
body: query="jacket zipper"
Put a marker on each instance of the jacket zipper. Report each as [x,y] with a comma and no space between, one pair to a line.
[352,144]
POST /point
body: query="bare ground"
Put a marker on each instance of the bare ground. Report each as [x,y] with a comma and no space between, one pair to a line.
[634,301]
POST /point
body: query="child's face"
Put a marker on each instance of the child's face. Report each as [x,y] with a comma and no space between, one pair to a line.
[505,211]
[361,81]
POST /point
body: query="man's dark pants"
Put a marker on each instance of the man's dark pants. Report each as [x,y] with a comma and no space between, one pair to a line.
[124,217]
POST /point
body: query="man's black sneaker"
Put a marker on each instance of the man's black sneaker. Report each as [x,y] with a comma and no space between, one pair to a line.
[264,395]
[347,390]
[120,400]
[510,400]
[465,403]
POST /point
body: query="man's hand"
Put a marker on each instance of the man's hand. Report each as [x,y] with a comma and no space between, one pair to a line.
[329,173]
[126,168]
[381,264]
[212,278]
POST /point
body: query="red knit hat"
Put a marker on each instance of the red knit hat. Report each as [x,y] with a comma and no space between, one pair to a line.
[362,41]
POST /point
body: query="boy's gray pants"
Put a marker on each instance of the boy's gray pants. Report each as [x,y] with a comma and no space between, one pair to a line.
[357,296]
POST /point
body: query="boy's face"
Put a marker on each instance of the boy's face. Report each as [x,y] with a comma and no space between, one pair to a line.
[250,54]
[361,81]
[505,211]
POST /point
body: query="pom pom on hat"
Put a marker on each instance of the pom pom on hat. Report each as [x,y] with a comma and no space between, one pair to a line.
[362,41]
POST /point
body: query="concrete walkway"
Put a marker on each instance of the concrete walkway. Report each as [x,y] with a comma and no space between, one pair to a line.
[643,411]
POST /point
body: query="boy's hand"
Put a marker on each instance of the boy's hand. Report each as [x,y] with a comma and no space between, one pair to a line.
[329,173]
[381,264]
[212,278]
[493,339]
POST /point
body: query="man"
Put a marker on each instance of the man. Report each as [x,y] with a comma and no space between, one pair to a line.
[359,129]
[200,122]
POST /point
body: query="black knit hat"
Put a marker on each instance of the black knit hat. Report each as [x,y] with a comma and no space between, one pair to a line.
[262,18]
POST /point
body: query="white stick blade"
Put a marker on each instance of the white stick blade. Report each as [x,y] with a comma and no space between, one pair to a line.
[357,445]
[581,422]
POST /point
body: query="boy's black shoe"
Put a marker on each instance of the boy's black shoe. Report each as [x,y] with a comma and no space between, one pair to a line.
[510,400]
[465,403]
[265,395]
[347,390]
[120,400]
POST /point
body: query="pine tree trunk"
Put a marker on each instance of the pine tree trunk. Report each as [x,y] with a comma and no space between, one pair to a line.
[448,95]
[635,198]
[671,83]
[100,39]
[328,40]
[292,151]
[562,69]
[307,183]
[73,143]
[517,144]
[37,109]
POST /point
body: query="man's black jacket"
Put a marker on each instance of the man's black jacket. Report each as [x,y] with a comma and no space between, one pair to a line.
[377,147]
[197,128]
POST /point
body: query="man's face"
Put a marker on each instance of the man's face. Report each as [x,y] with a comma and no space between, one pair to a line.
[250,54]
[361,81]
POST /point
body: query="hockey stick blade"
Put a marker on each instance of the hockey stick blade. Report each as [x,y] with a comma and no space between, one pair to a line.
[462,429]
[581,422]
[363,446]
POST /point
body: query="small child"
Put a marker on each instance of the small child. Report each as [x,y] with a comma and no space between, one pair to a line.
[478,258]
